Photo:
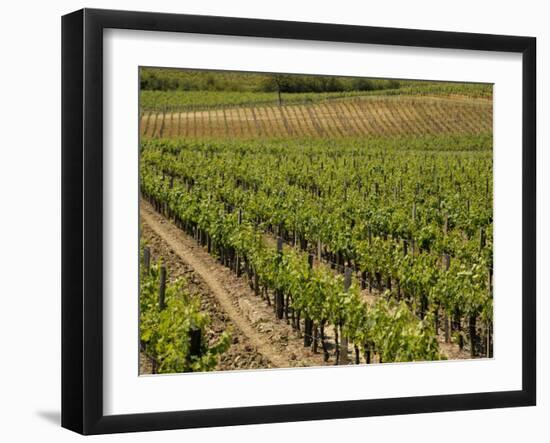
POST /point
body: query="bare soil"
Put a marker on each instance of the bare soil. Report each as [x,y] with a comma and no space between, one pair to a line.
[349,117]
[259,340]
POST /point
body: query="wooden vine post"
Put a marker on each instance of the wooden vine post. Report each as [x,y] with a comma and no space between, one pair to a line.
[147,259]
[195,342]
[472,332]
[238,258]
[447,265]
[308,323]
[161,130]
[162,288]
[489,326]
[256,282]
[343,339]
[279,296]
[482,238]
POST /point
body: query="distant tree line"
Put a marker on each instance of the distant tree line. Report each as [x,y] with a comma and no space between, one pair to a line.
[161,79]
[314,83]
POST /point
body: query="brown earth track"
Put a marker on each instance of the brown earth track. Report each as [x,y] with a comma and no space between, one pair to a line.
[306,125]
[172,126]
[467,118]
[372,114]
[395,126]
[181,124]
[315,122]
[419,120]
[259,121]
[400,113]
[407,114]
[249,316]
[286,121]
[354,122]
[280,117]
[154,125]
[226,126]
[365,123]
[267,121]
[444,124]
[144,123]
[161,128]
[187,132]
[241,354]
[300,122]
[332,119]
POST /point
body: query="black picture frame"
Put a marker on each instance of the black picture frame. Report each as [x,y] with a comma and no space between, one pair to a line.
[82,215]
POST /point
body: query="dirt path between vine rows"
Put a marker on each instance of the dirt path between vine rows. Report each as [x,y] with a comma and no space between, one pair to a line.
[241,353]
[275,340]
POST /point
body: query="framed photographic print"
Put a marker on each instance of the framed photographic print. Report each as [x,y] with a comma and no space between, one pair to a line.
[270,221]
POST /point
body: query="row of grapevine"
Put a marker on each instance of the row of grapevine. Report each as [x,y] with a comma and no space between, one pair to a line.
[297,290]
[420,237]
[388,328]
[184,100]
[172,326]
[353,117]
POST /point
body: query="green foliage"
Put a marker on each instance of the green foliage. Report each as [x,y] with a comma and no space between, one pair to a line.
[204,99]
[472,90]
[165,334]
[318,83]
[400,336]
[186,89]
[356,200]
[166,79]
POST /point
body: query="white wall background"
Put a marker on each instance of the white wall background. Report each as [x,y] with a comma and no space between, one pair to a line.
[30,219]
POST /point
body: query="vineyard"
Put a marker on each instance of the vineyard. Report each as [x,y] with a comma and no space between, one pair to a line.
[172,324]
[362,224]
[334,118]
